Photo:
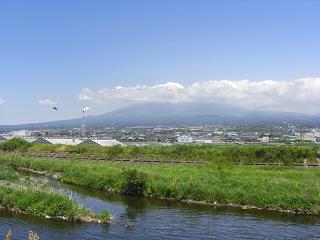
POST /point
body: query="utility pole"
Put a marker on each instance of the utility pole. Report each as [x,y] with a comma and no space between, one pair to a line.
[83,129]
[83,126]
[301,131]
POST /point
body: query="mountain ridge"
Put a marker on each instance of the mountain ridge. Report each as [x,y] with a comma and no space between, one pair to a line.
[173,114]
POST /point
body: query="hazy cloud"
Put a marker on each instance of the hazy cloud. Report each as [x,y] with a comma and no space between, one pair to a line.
[2,100]
[173,92]
[300,95]
[47,102]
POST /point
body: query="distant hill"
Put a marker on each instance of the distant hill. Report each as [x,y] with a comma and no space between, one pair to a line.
[151,114]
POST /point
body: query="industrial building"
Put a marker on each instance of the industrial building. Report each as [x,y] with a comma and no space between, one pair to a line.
[63,141]
[77,141]
[103,143]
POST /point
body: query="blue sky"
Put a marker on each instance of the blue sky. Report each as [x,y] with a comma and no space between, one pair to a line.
[75,53]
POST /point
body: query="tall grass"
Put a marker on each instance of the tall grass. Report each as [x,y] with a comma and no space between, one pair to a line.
[7,173]
[41,203]
[286,154]
[38,202]
[281,188]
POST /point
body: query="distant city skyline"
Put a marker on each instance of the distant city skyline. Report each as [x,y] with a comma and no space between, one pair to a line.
[108,54]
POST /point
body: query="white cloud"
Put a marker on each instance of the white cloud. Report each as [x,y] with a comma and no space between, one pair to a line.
[173,92]
[300,95]
[47,102]
[2,100]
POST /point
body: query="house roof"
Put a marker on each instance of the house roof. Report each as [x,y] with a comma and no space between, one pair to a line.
[30,140]
[106,143]
[76,141]
[64,141]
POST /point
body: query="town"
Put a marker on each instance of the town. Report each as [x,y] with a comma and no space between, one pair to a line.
[165,135]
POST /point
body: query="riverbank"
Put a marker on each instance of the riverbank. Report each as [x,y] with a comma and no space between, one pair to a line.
[281,189]
[18,196]
[43,204]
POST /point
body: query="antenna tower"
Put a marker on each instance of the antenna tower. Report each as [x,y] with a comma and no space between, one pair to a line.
[83,126]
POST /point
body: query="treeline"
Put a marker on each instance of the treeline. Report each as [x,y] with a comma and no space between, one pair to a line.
[287,154]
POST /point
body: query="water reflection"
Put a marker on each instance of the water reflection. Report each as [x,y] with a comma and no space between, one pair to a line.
[135,206]
[56,228]
[143,218]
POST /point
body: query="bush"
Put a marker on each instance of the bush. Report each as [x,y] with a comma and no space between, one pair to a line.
[14,144]
[134,183]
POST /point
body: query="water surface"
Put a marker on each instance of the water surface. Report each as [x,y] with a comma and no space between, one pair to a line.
[141,218]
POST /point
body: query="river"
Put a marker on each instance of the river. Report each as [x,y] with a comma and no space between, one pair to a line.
[141,218]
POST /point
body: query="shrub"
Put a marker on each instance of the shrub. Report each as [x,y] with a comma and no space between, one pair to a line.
[14,144]
[134,183]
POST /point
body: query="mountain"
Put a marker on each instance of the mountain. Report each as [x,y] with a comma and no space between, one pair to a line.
[153,114]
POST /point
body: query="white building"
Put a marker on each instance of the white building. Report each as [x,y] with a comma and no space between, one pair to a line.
[63,141]
[203,141]
[309,136]
[264,139]
[185,139]
[104,143]
[20,133]
[76,141]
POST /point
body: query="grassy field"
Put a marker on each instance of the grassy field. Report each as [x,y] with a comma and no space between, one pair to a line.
[39,202]
[279,188]
[210,153]
[287,154]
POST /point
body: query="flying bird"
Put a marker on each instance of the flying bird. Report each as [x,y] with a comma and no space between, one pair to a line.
[55,108]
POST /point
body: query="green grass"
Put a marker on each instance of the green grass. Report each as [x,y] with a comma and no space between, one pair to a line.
[7,173]
[281,188]
[287,154]
[15,144]
[41,203]
[104,216]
